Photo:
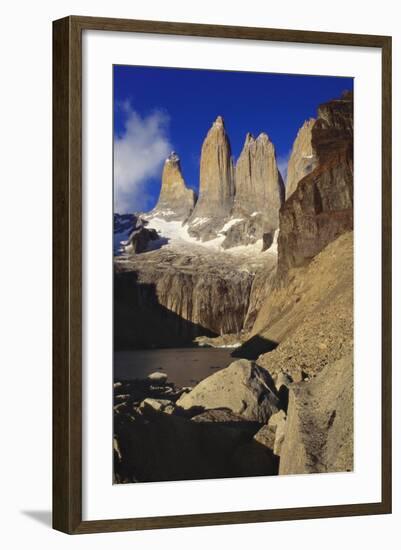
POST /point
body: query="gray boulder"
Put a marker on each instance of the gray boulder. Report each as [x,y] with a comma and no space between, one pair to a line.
[242,387]
[157,405]
[272,434]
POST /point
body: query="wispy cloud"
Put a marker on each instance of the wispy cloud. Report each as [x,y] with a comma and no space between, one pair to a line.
[282,163]
[138,155]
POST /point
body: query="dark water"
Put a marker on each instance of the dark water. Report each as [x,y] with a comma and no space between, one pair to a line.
[183,366]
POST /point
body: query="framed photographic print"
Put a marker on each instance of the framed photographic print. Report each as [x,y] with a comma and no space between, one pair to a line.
[222,274]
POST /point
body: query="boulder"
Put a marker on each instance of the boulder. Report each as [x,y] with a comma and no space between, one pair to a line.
[242,387]
[158,377]
[272,434]
[157,405]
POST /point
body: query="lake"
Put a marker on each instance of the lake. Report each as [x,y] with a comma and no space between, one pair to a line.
[183,366]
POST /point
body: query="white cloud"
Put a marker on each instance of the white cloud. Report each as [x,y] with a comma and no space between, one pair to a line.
[282,163]
[138,155]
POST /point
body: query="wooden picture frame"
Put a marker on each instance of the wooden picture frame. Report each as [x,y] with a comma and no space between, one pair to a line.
[67,274]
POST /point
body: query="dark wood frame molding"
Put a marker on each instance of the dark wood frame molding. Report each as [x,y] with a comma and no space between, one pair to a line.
[67,275]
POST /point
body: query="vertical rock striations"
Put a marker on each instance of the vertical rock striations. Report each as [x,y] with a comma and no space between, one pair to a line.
[303,158]
[216,187]
[321,207]
[238,204]
[258,183]
[176,201]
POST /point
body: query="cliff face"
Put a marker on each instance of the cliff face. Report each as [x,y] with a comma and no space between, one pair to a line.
[168,297]
[216,187]
[258,183]
[321,207]
[303,158]
[176,201]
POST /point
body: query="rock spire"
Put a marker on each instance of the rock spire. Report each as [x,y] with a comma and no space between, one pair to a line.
[216,185]
[259,186]
[176,200]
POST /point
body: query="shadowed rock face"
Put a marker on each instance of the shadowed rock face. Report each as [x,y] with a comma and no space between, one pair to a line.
[216,188]
[176,201]
[303,158]
[258,183]
[321,207]
[166,299]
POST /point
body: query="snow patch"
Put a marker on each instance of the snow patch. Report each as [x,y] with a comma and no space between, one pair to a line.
[199,221]
[273,248]
[229,224]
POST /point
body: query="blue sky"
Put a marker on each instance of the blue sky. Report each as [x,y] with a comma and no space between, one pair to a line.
[161,109]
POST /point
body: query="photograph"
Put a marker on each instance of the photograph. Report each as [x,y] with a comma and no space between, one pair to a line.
[232,274]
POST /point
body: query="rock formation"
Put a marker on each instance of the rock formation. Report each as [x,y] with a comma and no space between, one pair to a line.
[303,158]
[259,194]
[243,388]
[258,183]
[155,439]
[318,435]
[176,201]
[216,182]
[321,207]
[131,236]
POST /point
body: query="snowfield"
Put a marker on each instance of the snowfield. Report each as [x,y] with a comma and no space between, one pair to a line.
[177,235]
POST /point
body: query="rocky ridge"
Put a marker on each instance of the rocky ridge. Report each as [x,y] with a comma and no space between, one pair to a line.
[321,207]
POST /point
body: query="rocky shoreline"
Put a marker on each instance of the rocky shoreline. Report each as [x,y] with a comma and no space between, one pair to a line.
[236,422]
[223,427]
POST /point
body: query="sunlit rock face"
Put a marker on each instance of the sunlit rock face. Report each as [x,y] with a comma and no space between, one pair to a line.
[303,158]
[238,203]
[216,184]
[321,207]
[176,200]
[258,183]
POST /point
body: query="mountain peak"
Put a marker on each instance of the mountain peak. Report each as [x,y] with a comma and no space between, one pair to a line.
[219,122]
[263,137]
[176,201]
[249,139]
[173,157]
